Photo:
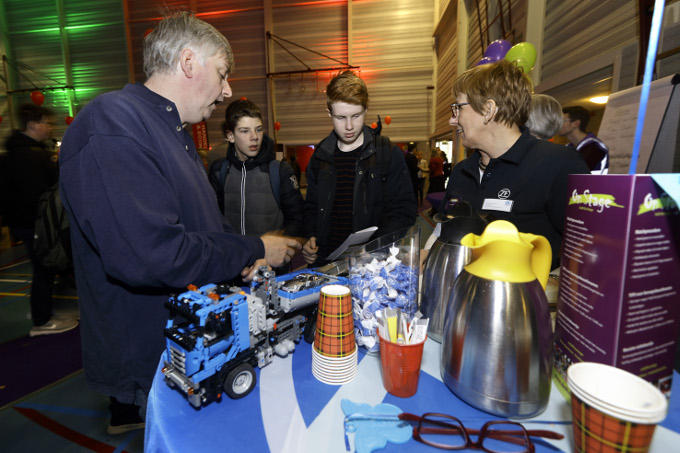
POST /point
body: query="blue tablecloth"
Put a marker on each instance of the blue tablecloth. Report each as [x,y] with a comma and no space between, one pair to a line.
[290,411]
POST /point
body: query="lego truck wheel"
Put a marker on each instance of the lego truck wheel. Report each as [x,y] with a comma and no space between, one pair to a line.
[240,381]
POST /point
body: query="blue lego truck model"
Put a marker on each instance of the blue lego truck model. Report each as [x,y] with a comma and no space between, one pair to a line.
[217,334]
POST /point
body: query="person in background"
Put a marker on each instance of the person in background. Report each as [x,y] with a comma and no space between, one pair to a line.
[243,179]
[423,173]
[292,161]
[144,218]
[412,165]
[511,175]
[355,179]
[29,170]
[446,168]
[545,116]
[594,151]
[436,172]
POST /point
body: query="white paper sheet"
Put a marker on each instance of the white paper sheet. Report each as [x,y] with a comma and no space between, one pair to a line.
[353,239]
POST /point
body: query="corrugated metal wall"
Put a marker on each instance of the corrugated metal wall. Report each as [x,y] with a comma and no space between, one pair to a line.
[475,50]
[241,21]
[392,43]
[517,32]
[299,99]
[577,31]
[94,39]
[447,61]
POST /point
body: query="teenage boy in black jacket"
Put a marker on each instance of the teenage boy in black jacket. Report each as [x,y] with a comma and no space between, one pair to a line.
[355,178]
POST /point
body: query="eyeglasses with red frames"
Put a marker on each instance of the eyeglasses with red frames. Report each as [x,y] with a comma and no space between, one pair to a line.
[455,108]
[448,433]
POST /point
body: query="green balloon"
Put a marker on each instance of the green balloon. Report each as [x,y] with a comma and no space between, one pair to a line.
[522,54]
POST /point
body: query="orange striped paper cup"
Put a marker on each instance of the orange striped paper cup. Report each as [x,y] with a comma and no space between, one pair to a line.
[613,410]
[334,335]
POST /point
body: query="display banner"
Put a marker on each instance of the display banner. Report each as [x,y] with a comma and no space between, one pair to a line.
[200,135]
[620,278]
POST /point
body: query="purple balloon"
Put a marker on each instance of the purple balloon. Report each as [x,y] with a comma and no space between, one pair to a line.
[497,49]
[484,60]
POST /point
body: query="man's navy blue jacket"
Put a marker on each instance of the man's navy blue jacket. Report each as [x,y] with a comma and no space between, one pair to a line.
[144,222]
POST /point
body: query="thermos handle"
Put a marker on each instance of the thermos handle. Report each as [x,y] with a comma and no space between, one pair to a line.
[541,258]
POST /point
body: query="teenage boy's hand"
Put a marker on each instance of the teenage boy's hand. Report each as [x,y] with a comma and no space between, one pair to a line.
[310,250]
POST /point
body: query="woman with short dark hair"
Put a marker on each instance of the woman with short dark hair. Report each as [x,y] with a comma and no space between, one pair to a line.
[512,175]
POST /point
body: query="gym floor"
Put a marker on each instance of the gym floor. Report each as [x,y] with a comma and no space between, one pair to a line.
[63,415]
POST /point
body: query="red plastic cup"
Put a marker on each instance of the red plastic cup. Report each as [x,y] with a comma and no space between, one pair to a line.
[401,366]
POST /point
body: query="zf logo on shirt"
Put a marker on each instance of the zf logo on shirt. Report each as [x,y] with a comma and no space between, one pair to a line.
[504,194]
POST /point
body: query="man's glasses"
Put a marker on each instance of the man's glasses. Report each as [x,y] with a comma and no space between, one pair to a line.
[448,433]
[455,108]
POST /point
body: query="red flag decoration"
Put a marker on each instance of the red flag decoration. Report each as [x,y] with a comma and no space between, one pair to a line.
[68,120]
[37,97]
[200,134]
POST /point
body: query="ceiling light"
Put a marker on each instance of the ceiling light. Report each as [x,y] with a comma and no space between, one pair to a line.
[599,99]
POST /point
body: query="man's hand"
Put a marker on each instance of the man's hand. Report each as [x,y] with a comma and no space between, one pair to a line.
[278,250]
[248,273]
[310,250]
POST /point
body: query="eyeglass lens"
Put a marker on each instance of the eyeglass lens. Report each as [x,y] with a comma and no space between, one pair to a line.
[454,110]
[504,438]
[441,431]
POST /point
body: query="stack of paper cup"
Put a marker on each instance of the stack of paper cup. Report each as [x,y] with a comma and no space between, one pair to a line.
[613,410]
[334,355]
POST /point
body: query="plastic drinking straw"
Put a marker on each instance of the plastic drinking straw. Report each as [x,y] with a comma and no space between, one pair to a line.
[646,80]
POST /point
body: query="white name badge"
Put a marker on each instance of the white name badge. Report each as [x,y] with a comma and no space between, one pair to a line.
[495,204]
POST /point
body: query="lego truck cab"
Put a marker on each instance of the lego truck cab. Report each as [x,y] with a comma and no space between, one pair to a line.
[217,334]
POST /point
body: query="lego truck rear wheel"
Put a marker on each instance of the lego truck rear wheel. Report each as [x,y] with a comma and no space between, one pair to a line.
[240,381]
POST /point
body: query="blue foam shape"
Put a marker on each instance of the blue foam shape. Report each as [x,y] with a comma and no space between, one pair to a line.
[372,435]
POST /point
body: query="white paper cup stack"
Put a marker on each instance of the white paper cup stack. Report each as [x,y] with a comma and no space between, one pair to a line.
[334,353]
[334,370]
[617,392]
[612,409]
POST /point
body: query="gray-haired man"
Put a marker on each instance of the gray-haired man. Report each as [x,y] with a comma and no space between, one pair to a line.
[144,218]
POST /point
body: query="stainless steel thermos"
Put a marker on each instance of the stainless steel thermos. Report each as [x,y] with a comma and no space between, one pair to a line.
[445,261]
[497,340]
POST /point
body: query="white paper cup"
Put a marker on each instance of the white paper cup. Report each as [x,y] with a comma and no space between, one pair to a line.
[617,392]
[613,410]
